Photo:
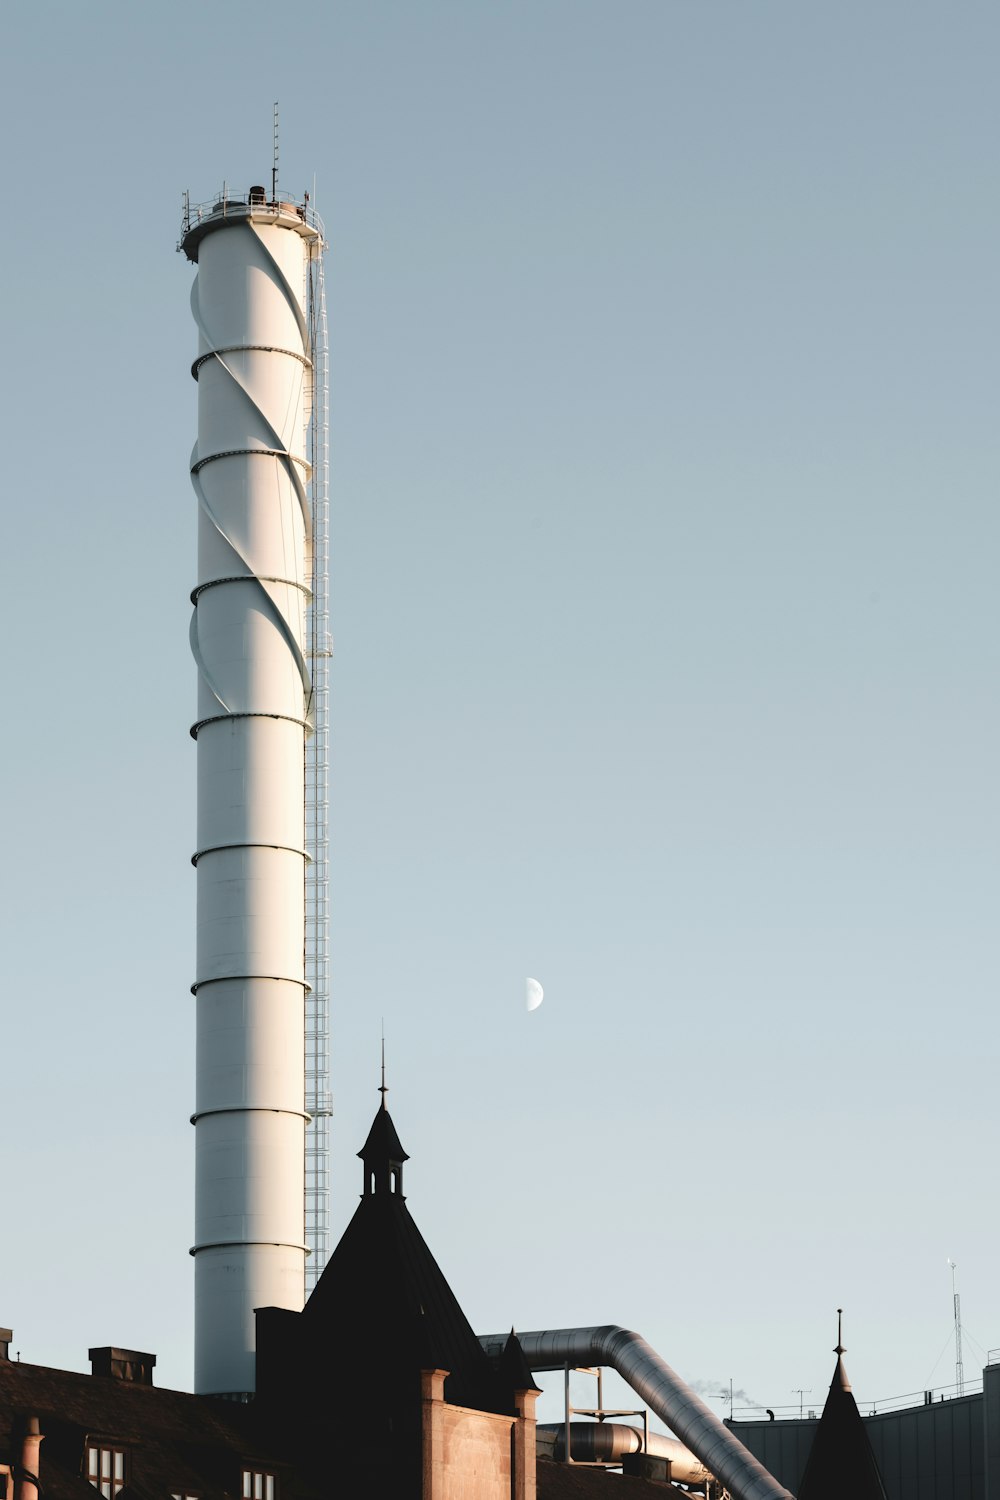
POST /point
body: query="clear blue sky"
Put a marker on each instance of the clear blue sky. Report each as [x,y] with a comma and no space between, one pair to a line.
[665,532]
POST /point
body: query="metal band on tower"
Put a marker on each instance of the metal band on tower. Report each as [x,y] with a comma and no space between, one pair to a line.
[252,639]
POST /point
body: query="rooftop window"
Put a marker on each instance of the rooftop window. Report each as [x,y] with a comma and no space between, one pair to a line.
[106,1469]
[258,1484]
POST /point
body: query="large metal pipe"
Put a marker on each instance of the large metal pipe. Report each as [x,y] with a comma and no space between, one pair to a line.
[663,1391]
[610,1442]
[249,470]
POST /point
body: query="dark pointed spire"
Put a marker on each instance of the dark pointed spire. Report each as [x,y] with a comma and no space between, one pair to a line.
[841,1461]
[382,1153]
[513,1367]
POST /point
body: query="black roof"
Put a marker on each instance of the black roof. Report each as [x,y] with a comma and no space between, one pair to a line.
[841,1461]
[382,1148]
[513,1368]
[383,1290]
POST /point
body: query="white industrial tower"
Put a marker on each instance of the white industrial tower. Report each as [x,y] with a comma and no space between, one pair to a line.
[259,634]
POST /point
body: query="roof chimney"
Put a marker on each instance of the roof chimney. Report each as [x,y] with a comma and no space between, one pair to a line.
[123,1364]
[6,1334]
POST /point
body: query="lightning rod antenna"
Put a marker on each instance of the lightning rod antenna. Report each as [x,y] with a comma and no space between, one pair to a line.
[956,1303]
[274,169]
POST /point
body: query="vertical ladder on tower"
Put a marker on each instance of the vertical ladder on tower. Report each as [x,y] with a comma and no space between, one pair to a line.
[318,1102]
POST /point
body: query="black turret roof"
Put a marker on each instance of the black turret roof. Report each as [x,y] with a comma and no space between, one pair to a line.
[841,1462]
[383,1147]
[383,1290]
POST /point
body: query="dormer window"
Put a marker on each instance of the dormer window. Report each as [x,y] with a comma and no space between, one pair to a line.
[258,1484]
[106,1469]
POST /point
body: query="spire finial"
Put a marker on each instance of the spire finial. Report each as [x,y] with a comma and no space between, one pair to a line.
[383,1088]
[840,1341]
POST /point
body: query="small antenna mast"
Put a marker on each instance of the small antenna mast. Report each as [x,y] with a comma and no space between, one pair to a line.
[956,1303]
[274,169]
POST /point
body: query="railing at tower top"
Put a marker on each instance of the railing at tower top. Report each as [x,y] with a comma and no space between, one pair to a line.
[318,1101]
[255,202]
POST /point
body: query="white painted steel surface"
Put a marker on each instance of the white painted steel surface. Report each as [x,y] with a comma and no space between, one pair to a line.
[663,1391]
[250,473]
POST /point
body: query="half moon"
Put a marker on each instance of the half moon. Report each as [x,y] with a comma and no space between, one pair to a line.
[533,994]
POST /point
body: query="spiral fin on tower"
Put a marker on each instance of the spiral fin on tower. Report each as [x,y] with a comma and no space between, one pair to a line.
[274,447]
[214,349]
[280,619]
[294,304]
[202,665]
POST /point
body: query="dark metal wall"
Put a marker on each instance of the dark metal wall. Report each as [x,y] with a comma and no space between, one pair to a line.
[782,1447]
[932,1452]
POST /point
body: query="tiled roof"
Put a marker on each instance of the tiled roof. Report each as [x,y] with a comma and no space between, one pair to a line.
[174,1441]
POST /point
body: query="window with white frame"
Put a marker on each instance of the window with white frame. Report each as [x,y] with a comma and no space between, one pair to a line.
[258,1484]
[106,1469]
